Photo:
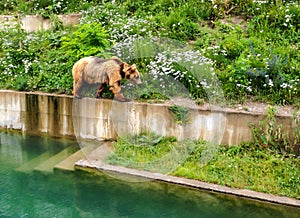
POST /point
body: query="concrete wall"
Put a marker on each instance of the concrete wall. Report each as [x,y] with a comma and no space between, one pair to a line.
[35,23]
[62,115]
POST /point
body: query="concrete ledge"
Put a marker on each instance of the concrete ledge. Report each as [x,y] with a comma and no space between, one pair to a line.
[87,165]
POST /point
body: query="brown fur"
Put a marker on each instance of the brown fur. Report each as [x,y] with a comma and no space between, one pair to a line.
[93,70]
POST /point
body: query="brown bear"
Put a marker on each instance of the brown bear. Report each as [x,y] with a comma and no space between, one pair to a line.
[103,72]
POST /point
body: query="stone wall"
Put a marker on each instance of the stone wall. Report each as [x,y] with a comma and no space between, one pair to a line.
[88,118]
[35,23]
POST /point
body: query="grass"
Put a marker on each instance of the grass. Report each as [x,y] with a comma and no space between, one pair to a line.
[150,152]
[244,166]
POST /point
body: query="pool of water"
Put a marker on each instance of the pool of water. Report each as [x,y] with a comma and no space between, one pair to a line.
[29,189]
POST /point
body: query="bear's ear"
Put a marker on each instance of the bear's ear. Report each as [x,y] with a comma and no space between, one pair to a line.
[133,67]
[126,68]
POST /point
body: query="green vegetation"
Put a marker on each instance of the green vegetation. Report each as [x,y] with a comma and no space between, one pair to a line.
[248,167]
[137,147]
[269,133]
[45,7]
[252,45]
[151,152]
[181,114]
[244,166]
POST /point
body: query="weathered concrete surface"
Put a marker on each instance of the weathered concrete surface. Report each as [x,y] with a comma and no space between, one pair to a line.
[36,113]
[35,23]
[94,162]
[103,119]
[86,149]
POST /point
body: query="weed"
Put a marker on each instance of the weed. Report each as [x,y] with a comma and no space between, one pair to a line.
[181,114]
[269,134]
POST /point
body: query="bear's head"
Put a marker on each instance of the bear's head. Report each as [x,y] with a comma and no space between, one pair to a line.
[131,73]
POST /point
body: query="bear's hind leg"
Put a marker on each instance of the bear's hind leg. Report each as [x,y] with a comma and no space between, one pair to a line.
[100,90]
[76,89]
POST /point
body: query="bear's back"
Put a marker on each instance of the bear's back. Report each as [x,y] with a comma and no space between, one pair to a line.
[98,69]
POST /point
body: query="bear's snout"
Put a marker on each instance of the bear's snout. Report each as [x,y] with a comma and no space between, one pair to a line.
[138,81]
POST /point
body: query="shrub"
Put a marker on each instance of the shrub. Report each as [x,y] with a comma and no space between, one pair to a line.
[119,25]
[17,57]
[87,40]
[191,71]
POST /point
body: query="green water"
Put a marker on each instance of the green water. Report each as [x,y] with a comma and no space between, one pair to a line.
[28,192]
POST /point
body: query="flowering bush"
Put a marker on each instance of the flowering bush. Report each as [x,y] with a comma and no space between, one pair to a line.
[258,74]
[283,19]
[253,54]
[189,68]
[17,57]
[119,26]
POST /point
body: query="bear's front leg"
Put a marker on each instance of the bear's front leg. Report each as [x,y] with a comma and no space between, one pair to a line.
[116,90]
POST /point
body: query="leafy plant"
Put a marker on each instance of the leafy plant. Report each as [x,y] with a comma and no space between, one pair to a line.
[45,7]
[87,40]
[181,114]
[269,134]
[145,139]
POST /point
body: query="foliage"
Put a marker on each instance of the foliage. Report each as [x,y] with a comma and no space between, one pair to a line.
[44,7]
[180,73]
[252,45]
[86,40]
[181,114]
[246,166]
[139,150]
[119,25]
[269,134]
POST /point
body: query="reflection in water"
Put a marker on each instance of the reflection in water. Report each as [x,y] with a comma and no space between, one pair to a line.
[79,194]
[11,152]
